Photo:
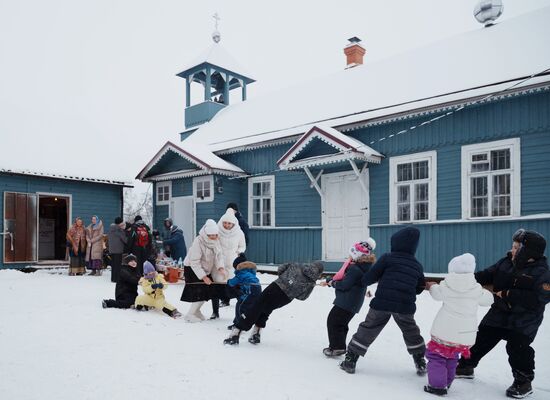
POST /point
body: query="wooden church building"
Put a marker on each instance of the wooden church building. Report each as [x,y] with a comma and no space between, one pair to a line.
[452,137]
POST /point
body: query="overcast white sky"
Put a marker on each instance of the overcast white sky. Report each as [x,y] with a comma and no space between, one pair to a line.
[89,87]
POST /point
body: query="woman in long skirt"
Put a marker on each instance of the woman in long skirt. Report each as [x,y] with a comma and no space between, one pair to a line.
[204,256]
[94,253]
[76,238]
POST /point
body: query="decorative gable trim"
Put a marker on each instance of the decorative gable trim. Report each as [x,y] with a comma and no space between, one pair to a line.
[348,148]
[203,168]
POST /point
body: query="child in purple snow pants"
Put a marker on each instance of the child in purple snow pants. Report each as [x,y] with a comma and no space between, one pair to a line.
[455,325]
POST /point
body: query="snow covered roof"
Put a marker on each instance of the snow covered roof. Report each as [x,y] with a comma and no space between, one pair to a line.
[476,63]
[64,177]
[197,154]
[218,56]
[347,148]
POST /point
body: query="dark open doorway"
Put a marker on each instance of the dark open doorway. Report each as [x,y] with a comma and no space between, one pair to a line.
[53,222]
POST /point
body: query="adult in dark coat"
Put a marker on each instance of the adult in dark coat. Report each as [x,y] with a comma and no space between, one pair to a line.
[400,278]
[126,289]
[177,243]
[242,223]
[521,283]
[117,240]
[140,242]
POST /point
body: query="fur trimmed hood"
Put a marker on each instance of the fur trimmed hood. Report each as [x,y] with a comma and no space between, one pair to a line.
[246,265]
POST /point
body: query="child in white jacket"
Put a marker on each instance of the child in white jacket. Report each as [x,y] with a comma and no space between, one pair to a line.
[455,325]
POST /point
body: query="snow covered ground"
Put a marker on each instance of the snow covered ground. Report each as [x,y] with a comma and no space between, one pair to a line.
[56,342]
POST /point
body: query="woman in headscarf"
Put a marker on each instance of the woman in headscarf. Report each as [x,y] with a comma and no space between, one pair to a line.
[204,256]
[76,236]
[94,253]
[233,243]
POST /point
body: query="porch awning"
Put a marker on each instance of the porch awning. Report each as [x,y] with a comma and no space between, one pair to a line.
[322,146]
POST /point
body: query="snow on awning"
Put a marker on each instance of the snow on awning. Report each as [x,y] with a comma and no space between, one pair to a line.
[344,148]
[200,159]
[65,177]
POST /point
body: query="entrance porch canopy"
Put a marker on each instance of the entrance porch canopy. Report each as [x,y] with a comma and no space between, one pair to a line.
[323,146]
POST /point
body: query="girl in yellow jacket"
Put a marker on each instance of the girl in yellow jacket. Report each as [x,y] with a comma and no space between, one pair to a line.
[153,285]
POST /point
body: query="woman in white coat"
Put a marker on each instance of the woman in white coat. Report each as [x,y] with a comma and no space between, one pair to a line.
[203,259]
[233,243]
[455,325]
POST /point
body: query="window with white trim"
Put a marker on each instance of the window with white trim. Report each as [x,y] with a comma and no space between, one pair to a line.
[491,179]
[164,192]
[261,201]
[413,187]
[203,188]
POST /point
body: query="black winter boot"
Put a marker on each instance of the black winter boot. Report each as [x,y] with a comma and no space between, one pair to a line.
[255,338]
[233,337]
[420,364]
[349,362]
[519,389]
[464,372]
[436,391]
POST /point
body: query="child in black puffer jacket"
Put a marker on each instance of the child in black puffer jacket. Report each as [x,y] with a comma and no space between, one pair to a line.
[400,278]
[296,281]
[350,295]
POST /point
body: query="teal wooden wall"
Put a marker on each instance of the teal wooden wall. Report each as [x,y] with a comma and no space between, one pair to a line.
[87,199]
[488,241]
[298,205]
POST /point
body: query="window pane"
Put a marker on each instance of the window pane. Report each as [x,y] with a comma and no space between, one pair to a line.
[420,170]
[421,192]
[167,190]
[266,205]
[256,219]
[404,172]
[266,188]
[479,186]
[256,206]
[501,184]
[479,207]
[159,196]
[266,219]
[256,189]
[403,194]
[479,157]
[421,211]
[403,212]
[206,185]
[501,206]
[480,167]
[500,159]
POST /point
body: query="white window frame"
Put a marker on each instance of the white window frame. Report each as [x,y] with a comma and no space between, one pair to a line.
[251,181]
[165,184]
[467,151]
[202,179]
[431,157]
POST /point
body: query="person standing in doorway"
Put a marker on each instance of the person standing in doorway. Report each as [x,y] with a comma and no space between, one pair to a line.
[94,252]
[76,239]
[117,241]
[140,242]
[242,223]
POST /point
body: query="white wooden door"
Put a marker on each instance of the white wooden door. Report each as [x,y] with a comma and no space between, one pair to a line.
[182,212]
[345,213]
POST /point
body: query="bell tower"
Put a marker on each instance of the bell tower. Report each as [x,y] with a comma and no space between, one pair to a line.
[218,73]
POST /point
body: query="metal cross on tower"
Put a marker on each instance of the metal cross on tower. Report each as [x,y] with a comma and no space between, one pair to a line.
[216,34]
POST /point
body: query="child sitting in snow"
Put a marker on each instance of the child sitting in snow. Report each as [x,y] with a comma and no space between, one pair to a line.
[126,287]
[296,281]
[455,325]
[350,295]
[247,285]
[153,285]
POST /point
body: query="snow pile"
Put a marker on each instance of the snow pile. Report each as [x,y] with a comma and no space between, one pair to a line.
[57,342]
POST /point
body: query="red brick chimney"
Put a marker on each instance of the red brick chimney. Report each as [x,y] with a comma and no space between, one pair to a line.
[354,52]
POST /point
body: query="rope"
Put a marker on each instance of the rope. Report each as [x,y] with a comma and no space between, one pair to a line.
[427,122]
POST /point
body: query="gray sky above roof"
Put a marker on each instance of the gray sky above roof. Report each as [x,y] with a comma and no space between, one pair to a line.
[89,88]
